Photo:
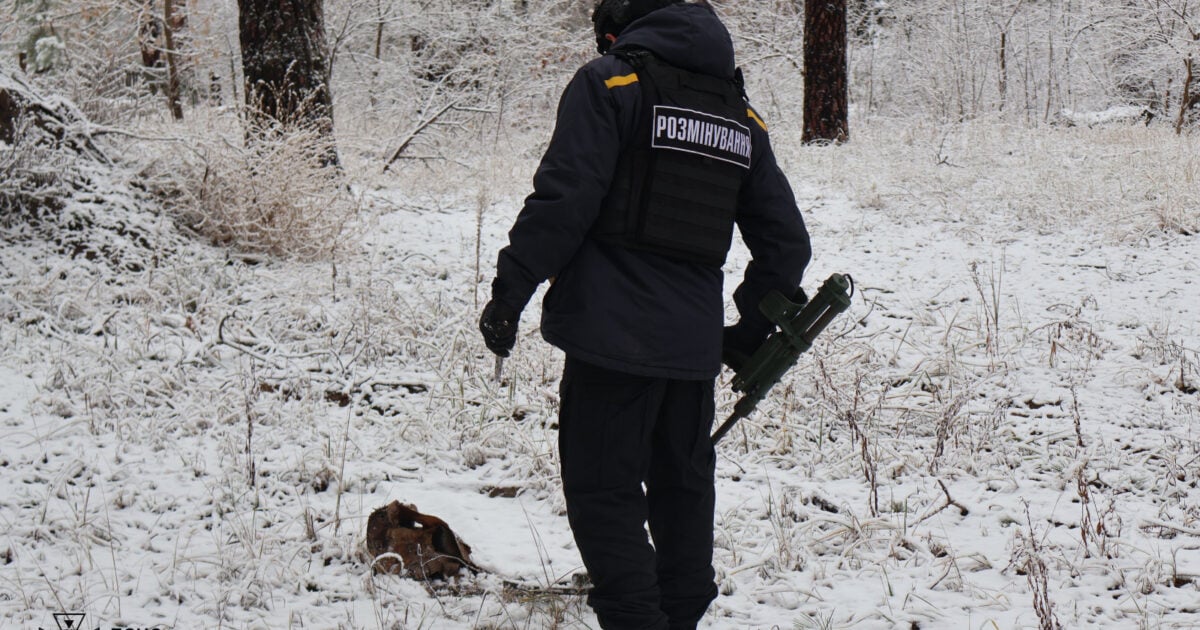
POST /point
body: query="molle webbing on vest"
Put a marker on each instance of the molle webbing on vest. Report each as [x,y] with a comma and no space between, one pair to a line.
[675,191]
[689,214]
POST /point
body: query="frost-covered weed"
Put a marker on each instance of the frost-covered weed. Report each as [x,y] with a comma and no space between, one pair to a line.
[1124,182]
[31,175]
[273,198]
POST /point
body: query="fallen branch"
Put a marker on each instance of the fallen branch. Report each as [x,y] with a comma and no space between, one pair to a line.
[412,135]
[962,509]
[578,587]
[1149,523]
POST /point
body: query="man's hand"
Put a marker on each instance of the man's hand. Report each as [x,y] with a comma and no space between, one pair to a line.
[498,323]
[737,346]
[739,343]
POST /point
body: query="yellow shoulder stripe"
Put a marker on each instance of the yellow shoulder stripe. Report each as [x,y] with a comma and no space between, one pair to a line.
[619,81]
[630,79]
[754,116]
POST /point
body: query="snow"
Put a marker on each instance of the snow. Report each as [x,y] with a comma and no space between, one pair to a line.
[1118,114]
[1023,343]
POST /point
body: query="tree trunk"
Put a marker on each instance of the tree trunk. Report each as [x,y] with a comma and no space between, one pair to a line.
[148,32]
[173,100]
[286,67]
[1185,102]
[826,95]
[1003,68]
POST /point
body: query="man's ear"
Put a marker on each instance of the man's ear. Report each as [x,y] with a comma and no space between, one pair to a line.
[610,37]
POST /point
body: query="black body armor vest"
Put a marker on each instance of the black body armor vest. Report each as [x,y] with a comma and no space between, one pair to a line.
[675,192]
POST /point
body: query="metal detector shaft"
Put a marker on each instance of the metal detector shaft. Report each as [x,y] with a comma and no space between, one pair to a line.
[797,325]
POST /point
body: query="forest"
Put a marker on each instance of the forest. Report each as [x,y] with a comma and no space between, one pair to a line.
[241,268]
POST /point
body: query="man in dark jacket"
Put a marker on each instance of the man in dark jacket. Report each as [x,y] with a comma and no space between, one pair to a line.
[642,323]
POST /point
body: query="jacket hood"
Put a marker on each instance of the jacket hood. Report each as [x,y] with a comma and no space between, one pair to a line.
[688,36]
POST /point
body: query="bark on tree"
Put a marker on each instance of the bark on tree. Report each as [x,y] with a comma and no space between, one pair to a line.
[1186,102]
[148,33]
[826,95]
[1003,68]
[173,101]
[285,62]
[157,41]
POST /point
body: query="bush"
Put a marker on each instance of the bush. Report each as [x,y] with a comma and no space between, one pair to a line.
[274,198]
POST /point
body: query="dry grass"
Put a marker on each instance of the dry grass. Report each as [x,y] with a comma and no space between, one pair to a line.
[1123,181]
[275,199]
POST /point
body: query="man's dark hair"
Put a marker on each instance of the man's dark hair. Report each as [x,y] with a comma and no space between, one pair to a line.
[612,16]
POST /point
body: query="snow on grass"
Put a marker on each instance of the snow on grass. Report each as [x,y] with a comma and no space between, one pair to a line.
[197,443]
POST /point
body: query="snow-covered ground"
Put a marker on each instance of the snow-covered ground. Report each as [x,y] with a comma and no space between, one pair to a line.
[1004,428]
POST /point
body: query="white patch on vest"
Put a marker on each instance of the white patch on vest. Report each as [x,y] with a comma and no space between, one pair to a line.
[691,131]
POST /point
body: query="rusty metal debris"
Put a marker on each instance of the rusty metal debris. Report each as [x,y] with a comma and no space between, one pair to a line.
[401,540]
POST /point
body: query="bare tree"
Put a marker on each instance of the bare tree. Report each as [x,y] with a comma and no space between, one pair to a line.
[286,68]
[825,87]
[170,25]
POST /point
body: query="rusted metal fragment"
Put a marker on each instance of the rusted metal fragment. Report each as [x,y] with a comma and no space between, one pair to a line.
[402,540]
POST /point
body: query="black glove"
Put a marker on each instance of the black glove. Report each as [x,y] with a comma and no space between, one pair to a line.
[498,323]
[737,346]
[739,342]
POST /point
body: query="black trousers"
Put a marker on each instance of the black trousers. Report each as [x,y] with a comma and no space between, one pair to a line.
[617,432]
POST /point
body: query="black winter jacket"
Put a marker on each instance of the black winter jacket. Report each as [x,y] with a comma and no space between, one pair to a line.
[630,310]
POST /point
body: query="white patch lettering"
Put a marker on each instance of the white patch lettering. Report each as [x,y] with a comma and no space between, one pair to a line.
[697,132]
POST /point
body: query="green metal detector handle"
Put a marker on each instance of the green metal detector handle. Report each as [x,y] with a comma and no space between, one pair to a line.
[797,325]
